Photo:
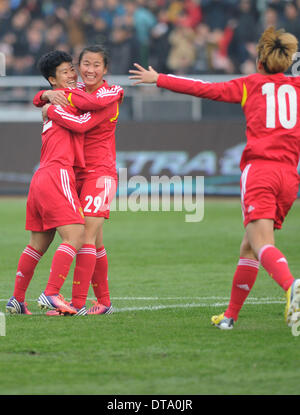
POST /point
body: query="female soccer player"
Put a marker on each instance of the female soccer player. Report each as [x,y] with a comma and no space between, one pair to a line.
[269,181]
[97,182]
[52,202]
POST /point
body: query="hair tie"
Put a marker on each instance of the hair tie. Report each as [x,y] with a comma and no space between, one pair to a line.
[280,46]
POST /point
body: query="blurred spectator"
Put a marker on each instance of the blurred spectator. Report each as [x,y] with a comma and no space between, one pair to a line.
[19,24]
[278,6]
[143,21]
[242,48]
[5,16]
[110,12]
[216,12]
[291,20]
[182,53]
[190,14]
[218,44]
[269,17]
[123,49]
[159,43]
[202,63]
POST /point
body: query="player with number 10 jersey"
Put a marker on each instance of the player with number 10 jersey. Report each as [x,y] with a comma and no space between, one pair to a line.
[269,181]
[271,104]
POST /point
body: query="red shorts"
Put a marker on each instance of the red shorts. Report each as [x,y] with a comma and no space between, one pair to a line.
[268,190]
[96,195]
[52,199]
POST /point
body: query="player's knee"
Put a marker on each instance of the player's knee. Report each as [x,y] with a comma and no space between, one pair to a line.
[246,251]
[74,237]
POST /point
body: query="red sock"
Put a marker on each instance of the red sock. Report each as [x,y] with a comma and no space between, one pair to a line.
[99,278]
[85,265]
[243,281]
[60,267]
[276,266]
[26,266]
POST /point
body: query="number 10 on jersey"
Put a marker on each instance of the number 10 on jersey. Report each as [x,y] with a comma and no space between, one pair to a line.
[285,105]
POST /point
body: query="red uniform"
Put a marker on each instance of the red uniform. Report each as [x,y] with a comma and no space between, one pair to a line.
[269,183]
[97,182]
[52,199]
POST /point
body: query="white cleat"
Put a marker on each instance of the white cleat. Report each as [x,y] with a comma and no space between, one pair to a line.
[292,308]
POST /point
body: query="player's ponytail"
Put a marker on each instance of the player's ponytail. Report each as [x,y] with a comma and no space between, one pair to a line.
[276,49]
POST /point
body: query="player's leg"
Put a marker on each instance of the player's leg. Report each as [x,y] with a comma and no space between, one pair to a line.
[85,261]
[261,237]
[30,257]
[96,195]
[72,239]
[243,281]
[62,210]
[100,280]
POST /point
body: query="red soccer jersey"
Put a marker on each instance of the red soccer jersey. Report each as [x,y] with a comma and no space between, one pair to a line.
[99,143]
[98,125]
[271,105]
[60,145]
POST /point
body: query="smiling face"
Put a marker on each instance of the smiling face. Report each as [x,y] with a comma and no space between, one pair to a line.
[92,68]
[65,76]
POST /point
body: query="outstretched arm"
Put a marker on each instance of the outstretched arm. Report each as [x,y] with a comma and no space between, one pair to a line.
[231,91]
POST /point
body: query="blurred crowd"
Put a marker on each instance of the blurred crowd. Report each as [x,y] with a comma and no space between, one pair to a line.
[178,36]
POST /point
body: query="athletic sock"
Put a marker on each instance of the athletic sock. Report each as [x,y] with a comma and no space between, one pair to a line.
[60,267]
[99,278]
[276,266]
[243,281]
[27,263]
[84,268]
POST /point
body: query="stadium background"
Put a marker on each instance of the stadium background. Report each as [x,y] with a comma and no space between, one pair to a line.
[159,132]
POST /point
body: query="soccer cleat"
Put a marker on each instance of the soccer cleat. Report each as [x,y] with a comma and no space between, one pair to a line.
[15,307]
[56,302]
[292,307]
[52,313]
[98,308]
[222,322]
[80,311]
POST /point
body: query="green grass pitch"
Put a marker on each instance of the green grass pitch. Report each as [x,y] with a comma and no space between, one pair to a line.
[167,277]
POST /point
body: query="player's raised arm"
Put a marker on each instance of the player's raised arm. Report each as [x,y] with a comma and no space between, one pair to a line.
[231,91]
[103,98]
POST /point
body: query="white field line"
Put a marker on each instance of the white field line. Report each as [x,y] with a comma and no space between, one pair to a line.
[220,303]
[250,299]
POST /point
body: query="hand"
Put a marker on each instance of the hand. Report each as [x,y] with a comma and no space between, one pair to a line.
[45,111]
[143,76]
[55,97]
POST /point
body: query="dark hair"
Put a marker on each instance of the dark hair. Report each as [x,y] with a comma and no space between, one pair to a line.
[95,49]
[48,63]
